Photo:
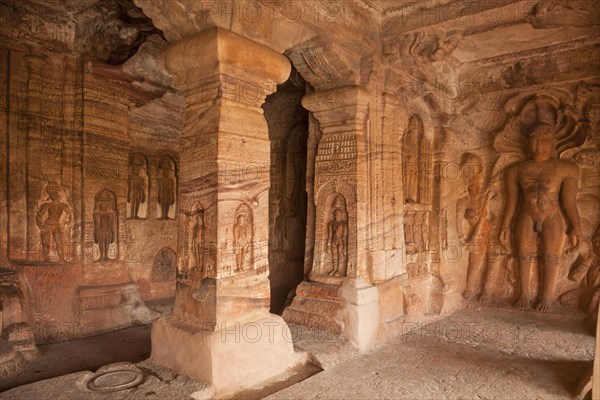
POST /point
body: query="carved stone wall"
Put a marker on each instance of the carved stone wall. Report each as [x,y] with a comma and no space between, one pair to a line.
[494,267]
[71,128]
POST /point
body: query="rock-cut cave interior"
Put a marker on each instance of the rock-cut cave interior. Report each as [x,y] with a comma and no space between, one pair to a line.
[299,199]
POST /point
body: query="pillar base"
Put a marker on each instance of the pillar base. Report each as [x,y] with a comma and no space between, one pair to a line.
[240,355]
[350,310]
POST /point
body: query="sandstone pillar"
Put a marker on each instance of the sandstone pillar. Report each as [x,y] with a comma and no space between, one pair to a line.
[221,331]
[338,297]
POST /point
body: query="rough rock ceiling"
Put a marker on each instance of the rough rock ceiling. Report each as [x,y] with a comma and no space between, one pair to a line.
[110,29]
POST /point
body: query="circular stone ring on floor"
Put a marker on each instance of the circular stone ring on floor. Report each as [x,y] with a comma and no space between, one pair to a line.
[113,381]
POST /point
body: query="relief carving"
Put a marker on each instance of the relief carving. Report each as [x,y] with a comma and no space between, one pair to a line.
[540,135]
[474,223]
[416,163]
[423,47]
[164,267]
[53,219]
[552,13]
[416,231]
[546,184]
[137,187]
[337,237]
[166,186]
[105,225]
[243,231]
[197,233]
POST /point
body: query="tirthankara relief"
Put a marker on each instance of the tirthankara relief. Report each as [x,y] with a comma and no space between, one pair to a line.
[359,168]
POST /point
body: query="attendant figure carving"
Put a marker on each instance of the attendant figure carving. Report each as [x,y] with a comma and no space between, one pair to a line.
[198,231]
[474,222]
[49,222]
[242,232]
[411,154]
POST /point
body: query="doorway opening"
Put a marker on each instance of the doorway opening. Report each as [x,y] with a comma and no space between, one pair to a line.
[288,134]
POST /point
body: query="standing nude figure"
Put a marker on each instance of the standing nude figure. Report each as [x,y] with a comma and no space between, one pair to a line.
[104,230]
[337,243]
[241,241]
[544,183]
[51,228]
[136,191]
[166,191]
[198,241]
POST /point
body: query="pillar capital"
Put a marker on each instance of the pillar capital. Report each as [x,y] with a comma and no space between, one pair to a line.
[343,106]
[217,52]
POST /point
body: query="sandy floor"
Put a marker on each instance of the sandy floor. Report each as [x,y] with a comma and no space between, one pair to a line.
[473,354]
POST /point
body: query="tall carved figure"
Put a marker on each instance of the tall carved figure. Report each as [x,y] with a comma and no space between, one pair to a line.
[337,243]
[136,185]
[197,239]
[474,223]
[105,230]
[166,187]
[49,221]
[411,151]
[242,239]
[544,184]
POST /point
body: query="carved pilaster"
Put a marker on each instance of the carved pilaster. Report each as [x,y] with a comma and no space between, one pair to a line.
[223,230]
[340,182]
[225,157]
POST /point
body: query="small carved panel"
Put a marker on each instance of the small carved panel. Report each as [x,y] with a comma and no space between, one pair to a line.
[105,226]
[54,221]
[166,186]
[243,242]
[137,187]
[165,265]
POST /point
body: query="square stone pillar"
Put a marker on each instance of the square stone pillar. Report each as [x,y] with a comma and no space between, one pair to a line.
[221,332]
[338,297]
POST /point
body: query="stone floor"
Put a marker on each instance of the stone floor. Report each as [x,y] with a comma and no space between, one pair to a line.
[472,354]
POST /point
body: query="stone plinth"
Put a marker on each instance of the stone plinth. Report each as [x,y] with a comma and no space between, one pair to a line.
[232,356]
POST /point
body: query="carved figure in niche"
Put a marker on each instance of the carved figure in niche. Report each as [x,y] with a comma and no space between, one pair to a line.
[136,186]
[164,265]
[546,184]
[409,236]
[197,241]
[411,162]
[417,229]
[49,220]
[337,238]
[242,240]
[444,230]
[105,231]
[281,226]
[166,187]
[474,222]
[424,177]
[425,230]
